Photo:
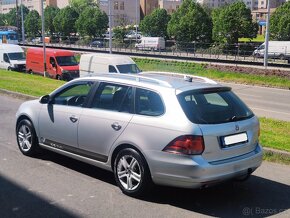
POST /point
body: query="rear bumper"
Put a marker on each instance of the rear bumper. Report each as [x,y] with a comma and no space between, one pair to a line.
[195,172]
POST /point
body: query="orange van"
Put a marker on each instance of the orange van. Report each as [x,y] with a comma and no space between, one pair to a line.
[60,64]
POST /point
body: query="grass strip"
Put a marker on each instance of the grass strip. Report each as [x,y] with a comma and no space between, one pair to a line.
[201,70]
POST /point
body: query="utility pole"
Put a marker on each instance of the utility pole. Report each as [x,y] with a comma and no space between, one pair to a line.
[17,20]
[22,23]
[267,35]
[43,38]
[136,19]
[110,26]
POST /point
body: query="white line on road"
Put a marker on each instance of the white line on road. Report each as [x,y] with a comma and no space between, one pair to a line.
[277,112]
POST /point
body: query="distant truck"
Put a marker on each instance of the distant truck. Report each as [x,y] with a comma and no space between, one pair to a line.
[276,49]
[151,43]
[61,64]
[12,57]
[91,64]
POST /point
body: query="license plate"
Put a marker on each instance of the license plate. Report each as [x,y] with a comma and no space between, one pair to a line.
[231,140]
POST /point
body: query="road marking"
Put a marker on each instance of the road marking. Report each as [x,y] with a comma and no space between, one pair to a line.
[255,96]
[277,112]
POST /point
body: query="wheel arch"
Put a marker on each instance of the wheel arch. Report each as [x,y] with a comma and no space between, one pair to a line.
[123,146]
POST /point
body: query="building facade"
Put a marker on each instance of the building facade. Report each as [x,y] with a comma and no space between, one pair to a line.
[170,5]
[7,5]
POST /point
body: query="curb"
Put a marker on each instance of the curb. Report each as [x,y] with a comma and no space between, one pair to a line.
[17,95]
[284,154]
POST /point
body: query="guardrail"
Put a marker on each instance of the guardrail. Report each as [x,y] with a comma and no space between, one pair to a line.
[174,54]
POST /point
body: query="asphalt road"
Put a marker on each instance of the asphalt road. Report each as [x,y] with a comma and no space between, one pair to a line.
[55,186]
[265,102]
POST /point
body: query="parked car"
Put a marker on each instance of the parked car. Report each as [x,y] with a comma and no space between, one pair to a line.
[61,64]
[148,128]
[97,44]
[12,57]
[133,35]
[107,35]
[99,63]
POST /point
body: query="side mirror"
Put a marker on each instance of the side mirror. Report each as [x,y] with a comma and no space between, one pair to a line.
[45,99]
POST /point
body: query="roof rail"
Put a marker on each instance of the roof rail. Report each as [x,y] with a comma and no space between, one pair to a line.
[136,77]
[186,77]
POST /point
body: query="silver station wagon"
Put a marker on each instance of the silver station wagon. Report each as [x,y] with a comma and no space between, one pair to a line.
[152,128]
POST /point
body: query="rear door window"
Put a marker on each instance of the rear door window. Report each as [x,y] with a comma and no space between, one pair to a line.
[113,97]
[213,106]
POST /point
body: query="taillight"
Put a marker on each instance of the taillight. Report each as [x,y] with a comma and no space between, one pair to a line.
[186,144]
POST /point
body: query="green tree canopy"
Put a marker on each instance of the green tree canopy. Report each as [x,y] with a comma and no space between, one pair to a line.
[232,22]
[64,21]
[80,5]
[190,23]
[10,17]
[155,24]
[32,24]
[3,21]
[50,13]
[92,22]
[280,23]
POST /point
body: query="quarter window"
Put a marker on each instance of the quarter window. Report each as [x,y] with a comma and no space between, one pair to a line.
[148,103]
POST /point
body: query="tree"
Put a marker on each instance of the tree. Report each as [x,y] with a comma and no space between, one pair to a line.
[50,13]
[3,21]
[280,23]
[190,23]
[119,33]
[155,24]
[32,24]
[80,5]
[64,21]
[10,17]
[92,22]
[232,22]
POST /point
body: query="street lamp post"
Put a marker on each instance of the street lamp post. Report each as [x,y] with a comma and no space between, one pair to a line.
[136,19]
[22,23]
[110,26]
[43,38]
[267,35]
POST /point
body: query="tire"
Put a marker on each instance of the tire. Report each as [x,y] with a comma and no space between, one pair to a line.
[132,173]
[26,138]
[282,57]
[58,77]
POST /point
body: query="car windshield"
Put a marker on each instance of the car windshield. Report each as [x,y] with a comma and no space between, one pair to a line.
[212,106]
[66,61]
[16,56]
[128,68]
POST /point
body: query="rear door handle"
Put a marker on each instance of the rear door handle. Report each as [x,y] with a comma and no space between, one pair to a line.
[73,119]
[116,126]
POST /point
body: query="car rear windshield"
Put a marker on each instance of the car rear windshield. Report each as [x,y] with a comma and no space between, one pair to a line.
[128,68]
[212,106]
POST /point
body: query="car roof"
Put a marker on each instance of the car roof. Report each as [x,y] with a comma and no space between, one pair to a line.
[177,81]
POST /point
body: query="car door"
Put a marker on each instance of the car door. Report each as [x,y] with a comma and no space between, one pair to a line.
[59,119]
[106,119]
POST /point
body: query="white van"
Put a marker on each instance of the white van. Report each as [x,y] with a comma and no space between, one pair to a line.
[151,43]
[276,49]
[12,57]
[97,63]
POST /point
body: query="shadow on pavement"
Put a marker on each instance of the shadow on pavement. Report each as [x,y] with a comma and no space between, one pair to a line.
[16,201]
[258,197]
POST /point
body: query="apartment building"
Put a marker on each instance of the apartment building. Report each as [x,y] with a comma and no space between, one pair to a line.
[7,5]
[123,12]
[170,5]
